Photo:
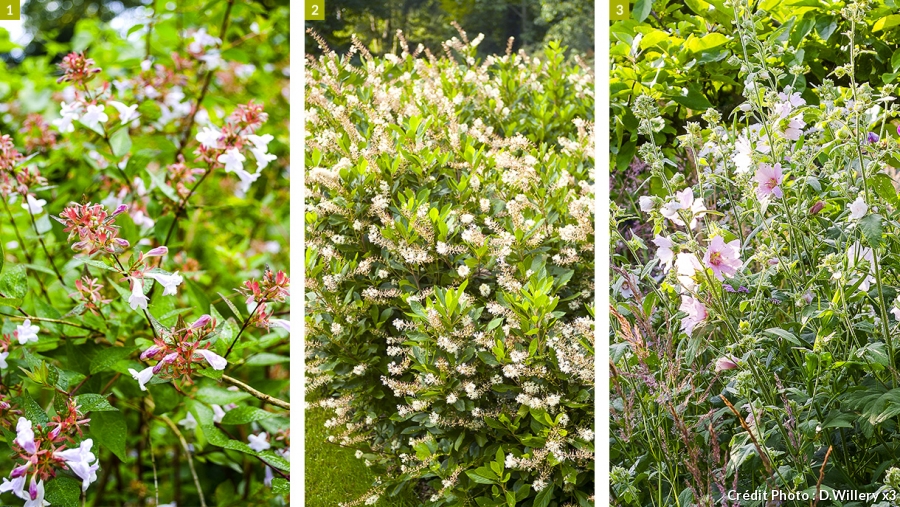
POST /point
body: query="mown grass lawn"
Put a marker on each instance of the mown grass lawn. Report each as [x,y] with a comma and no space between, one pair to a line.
[333,474]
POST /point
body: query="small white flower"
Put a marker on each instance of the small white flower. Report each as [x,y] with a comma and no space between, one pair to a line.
[216,361]
[485,290]
[188,422]
[26,332]
[137,298]
[169,282]
[3,356]
[94,115]
[126,113]
[463,271]
[233,160]
[218,413]
[259,442]
[34,205]
[142,376]
[209,137]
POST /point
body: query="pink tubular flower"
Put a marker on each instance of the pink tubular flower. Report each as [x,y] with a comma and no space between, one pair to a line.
[216,361]
[769,179]
[696,313]
[723,258]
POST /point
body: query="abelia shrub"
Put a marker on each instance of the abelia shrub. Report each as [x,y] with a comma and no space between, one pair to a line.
[144,295]
[449,271]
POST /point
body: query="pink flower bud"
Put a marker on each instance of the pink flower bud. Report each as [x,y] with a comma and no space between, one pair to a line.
[157,252]
[33,490]
[151,352]
[122,208]
[20,470]
[166,360]
[122,242]
[726,363]
[54,433]
[202,321]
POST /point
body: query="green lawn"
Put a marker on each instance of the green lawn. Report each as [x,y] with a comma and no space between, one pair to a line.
[333,474]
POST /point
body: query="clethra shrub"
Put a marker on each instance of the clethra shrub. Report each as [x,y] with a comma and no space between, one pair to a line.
[449,261]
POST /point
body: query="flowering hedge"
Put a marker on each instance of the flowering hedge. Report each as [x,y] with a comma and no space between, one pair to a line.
[143,330]
[754,347]
[449,232]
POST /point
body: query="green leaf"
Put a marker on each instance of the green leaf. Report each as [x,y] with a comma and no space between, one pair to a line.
[544,496]
[32,411]
[281,486]
[266,359]
[244,415]
[884,187]
[482,476]
[870,226]
[693,99]
[787,335]
[886,22]
[219,396]
[120,142]
[641,10]
[216,437]
[708,41]
[93,403]
[13,286]
[106,358]
[109,430]
[63,492]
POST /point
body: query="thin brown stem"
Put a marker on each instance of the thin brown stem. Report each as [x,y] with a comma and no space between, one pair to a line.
[271,400]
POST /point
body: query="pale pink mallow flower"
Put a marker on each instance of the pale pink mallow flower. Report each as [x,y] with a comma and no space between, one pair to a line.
[726,363]
[743,157]
[723,258]
[259,442]
[696,313]
[686,265]
[664,252]
[646,203]
[857,255]
[795,128]
[216,361]
[769,179]
[858,208]
[684,200]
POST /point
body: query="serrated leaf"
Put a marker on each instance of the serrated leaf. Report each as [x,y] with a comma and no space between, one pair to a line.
[91,402]
[63,492]
[106,358]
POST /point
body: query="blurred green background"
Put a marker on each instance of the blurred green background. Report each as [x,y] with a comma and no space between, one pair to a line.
[531,22]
